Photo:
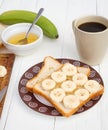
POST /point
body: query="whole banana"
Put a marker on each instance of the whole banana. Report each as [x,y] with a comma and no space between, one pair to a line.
[20,16]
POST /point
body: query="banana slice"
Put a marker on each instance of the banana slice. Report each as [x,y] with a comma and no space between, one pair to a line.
[69,69]
[71,101]
[80,78]
[3,71]
[48,84]
[82,94]
[57,94]
[58,76]
[92,86]
[68,86]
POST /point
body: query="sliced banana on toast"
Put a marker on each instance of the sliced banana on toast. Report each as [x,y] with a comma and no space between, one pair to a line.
[57,94]
[48,84]
[3,71]
[80,79]
[69,69]
[68,88]
[92,86]
[71,101]
[58,76]
[82,94]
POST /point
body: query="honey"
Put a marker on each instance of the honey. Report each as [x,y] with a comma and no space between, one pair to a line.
[15,38]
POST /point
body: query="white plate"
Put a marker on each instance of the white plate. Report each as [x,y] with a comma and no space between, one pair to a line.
[42,100]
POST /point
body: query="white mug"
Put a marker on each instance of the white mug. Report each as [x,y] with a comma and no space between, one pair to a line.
[91,45]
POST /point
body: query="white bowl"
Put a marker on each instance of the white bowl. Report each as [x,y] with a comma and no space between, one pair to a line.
[21,50]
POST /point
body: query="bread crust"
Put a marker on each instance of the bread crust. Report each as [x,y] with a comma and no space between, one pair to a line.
[60,109]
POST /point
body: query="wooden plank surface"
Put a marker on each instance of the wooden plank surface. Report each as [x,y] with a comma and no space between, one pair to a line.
[102,9]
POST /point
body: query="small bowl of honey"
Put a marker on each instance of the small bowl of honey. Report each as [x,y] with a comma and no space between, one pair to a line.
[14,33]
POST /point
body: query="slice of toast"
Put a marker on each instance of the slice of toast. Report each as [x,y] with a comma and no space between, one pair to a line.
[60,104]
[50,65]
[6,60]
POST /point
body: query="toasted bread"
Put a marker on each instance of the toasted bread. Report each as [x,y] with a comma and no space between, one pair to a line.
[50,65]
[6,60]
[67,102]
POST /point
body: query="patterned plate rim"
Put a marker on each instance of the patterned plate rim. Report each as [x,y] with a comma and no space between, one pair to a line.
[29,99]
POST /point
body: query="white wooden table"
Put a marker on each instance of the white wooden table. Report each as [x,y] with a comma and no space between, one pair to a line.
[16,115]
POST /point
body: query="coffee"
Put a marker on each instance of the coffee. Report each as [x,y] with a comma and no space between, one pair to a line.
[92,27]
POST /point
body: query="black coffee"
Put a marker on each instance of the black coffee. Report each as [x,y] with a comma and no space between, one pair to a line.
[92,27]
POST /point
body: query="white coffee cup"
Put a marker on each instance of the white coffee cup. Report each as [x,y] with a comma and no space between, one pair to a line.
[91,46]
